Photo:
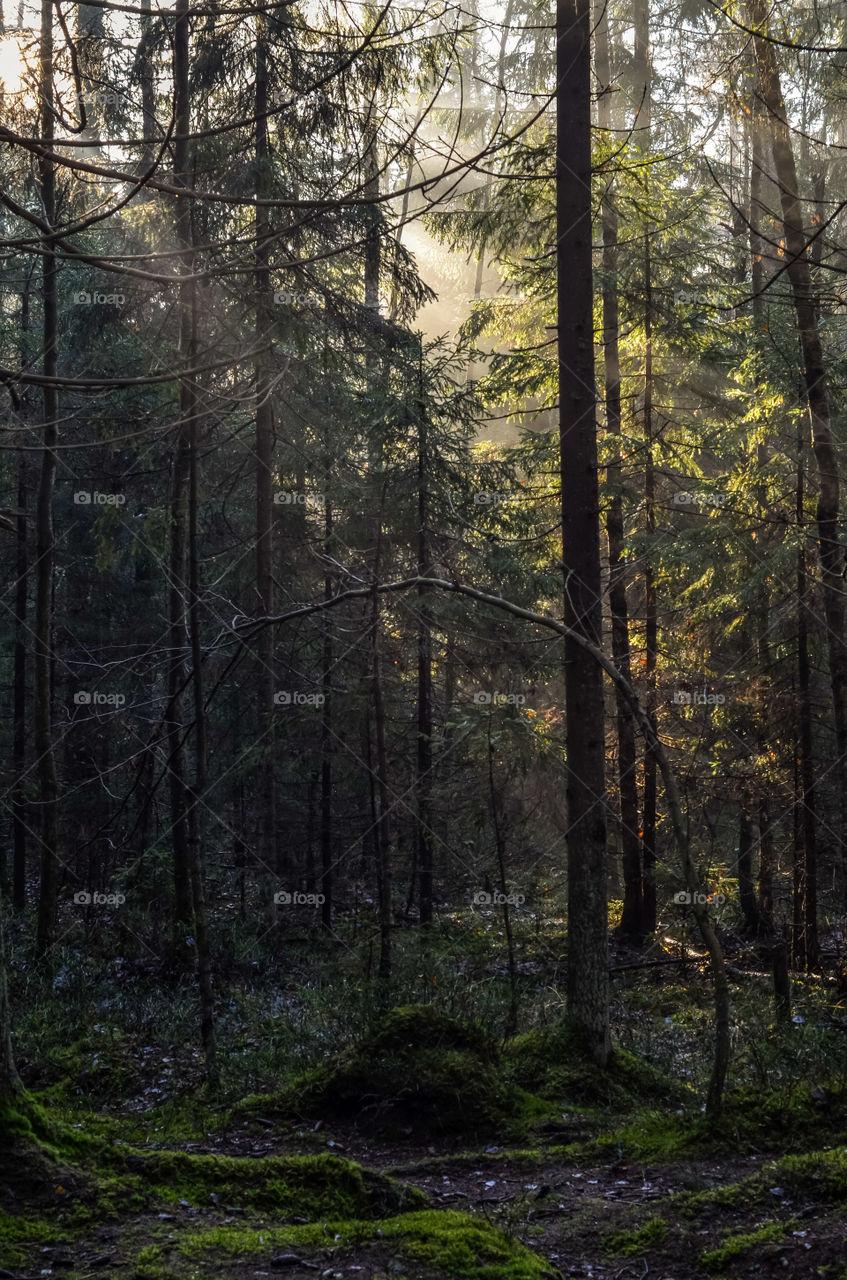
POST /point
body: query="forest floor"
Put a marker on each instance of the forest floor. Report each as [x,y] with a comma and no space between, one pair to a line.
[249,1201]
[426,1149]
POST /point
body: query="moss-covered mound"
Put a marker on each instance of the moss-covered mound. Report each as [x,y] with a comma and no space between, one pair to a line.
[418,1072]
[36,1156]
[433,1245]
[309,1187]
[553,1063]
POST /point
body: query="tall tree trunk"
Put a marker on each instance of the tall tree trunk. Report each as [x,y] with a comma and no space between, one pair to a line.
[326,712]
[763,653]
[815,377]
[588,989]
[423,829]
[45,548]
[183,907]
[805,928]
[382,837]
[19,824]
[631,925]
[196,824]
[268,850]
[644,124]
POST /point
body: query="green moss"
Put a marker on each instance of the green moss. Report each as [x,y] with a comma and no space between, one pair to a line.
[304,1186]
[795,1175]
[627,1244]
[783,1118]
[826,1171]
[418,1069]
[553,1062]
[737,1245]
[15,1231]
[439,1243]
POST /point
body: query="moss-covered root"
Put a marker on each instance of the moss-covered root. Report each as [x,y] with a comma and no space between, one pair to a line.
[35,1153]
[310,1187]
[433,1245]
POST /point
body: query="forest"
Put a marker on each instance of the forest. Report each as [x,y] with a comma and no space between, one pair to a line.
[423,843]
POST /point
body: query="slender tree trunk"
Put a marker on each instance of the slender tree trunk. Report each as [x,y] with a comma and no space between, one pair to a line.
[424,755]
[196,823]
[746,883]
[327,730]
[805,931]
[183,908]
[10,1083]
[45,548]
[587,991]
[763,652]
[382,838]
[191,798]
[644,124]
[815,377]
[764,905]
[632,916]
[269,852]
[500,845]
[148,89]
[781,981]
[19,825]
[327,733]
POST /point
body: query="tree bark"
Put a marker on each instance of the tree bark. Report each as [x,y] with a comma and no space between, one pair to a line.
[148,89]
[805,931]
[587,990]
[183,908]
[632,916]
[19,825]
[644,124]
[196,823]
[815,377]
[45,548]
[424,753]
[269,853]
[326,726]
[763,652]
[382,837]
